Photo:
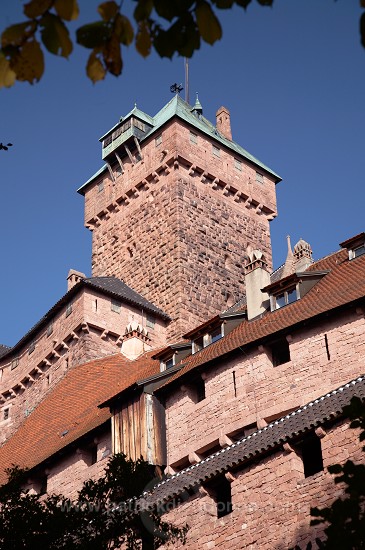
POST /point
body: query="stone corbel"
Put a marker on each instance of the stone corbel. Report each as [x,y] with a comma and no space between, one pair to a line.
[230,477]
[288,448]
[320,432]
[194,458]
[225,441]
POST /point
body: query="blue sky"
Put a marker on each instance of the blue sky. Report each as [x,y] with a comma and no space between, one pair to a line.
[293,78]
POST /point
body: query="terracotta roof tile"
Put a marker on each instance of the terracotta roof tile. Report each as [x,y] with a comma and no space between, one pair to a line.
[87,385]
[344,284]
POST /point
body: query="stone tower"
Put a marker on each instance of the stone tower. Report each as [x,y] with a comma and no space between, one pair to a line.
[174,209]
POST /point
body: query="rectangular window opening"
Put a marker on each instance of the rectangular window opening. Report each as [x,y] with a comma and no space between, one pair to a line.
[220,491]
[101,186]
[68,309]
[6,414]
[259,177]
[193,138]
[49,329]
[31,347]
[216,151]
[115,305]
[238,165]
[150,321]
[280,352]
[14,363]
[310,451]
[158,140]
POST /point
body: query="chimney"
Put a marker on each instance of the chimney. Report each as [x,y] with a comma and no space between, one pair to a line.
[223,119]
[302,255]
[257,277]
[73,278]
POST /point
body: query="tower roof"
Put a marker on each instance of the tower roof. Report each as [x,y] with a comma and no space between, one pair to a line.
[177,107]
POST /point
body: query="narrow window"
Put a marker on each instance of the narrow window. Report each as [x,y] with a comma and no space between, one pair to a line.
[193,138]
[150,321]
[93,454]
[6,414]
[280,352]
[199,390]
[68,309]
[259,177]
[310,451]
[327,347]
[158,140]
[238,165]
[216,151]
[118,171]
[14,363]
[115,305]
[43,484]
[101,186]
[234,383]
[49,329]
[31,347]
[220,490]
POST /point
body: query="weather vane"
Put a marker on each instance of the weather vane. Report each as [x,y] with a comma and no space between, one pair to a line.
[176,88]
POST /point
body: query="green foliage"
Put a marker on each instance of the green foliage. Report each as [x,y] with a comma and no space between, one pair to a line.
[170,27]
[104,516]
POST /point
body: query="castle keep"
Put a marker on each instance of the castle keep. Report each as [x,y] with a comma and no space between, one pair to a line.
[186,347]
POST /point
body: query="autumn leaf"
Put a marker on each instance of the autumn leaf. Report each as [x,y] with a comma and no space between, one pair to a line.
[112,56]
[94,68]
[143,39]
[123,29]
[108,10]
[143,10]
[67,9]
[15,35]
[55,35]
[35,8]
[28,63]
[93,35]
[7,75]
[208,24]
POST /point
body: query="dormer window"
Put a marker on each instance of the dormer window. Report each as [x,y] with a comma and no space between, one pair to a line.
[287,297]
[355,246]
[167,363]
[359,251]
[204,340]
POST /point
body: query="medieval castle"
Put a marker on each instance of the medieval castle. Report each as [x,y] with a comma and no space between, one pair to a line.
[185,347]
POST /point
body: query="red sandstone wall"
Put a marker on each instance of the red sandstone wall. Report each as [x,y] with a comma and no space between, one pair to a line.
[67,475]
[271,501]
[264,391]
[176,226]
[92,330]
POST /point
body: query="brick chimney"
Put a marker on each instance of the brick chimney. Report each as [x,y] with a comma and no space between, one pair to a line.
[257,277]
[224,122]
[74,277]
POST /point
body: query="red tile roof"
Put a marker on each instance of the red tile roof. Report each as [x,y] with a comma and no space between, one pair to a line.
[72,407]
[344,283]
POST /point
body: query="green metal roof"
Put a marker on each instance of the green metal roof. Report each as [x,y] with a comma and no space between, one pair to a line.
[134,112]
[179,108]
